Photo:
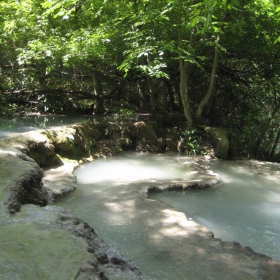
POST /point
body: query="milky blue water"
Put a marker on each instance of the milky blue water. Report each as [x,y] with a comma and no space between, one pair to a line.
[245,207]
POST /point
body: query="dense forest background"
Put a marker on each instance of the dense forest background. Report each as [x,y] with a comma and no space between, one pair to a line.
[212,61]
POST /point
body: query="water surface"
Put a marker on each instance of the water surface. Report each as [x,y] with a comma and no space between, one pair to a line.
[111,198]
[8,127]
[106,199]
[245,207]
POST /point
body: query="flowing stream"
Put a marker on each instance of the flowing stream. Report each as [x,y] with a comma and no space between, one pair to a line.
[111,197]
[244,208]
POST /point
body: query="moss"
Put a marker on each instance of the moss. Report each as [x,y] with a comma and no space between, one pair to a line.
[45,161]
[220,142]
[40,249]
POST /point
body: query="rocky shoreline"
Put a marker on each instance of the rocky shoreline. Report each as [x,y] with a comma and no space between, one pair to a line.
[27,194]
[101,260]
[24,185]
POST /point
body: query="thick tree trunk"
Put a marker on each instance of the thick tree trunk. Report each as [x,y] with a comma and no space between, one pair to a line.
[99,104]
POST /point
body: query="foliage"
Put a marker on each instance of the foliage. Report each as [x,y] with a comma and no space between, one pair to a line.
[7,110]
[217,59]
[195,141]
[126,112]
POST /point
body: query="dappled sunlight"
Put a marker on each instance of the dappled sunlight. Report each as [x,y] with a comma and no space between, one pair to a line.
[244,208]
[7,153]
[122,206]
[174,231]
[36,136]
[94,191]
[273,196]
[212,173]
[151,222]
[185,161]
[272,210]
[275,178]
[153,234]
[176,224]
[60,172]
[125,171]
[118,172]
[249,170]
[200,251]
[193,172]
[34,122]
[114,207]
[121,212]
[242,171]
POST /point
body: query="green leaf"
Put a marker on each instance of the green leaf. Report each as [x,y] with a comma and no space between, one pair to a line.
[50,7]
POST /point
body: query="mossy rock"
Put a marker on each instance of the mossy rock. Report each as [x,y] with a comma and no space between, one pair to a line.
[144,136]
[34,246]
[220,142]
[114,129]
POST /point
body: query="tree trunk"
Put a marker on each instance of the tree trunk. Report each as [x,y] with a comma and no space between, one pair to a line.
[99,104]
[254,153]
[184,68]
[170,95]
[184,91]
[263,129]
[211,86]
[273,149]
[210,90]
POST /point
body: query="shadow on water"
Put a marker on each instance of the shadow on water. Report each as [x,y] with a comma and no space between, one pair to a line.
[163,243]
[244,208]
